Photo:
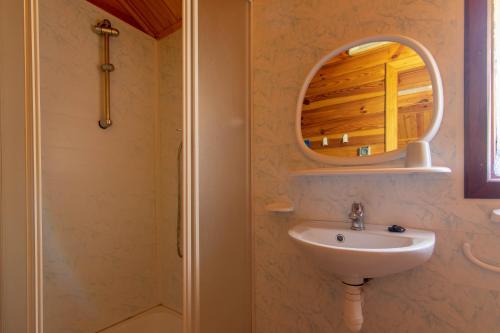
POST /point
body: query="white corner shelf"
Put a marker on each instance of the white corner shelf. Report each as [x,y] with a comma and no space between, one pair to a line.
[369,171]
[280,207]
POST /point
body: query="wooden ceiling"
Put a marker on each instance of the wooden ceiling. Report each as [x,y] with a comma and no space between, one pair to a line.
[381,98]
[157,18]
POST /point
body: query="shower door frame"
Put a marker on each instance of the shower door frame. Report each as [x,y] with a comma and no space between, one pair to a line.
[30,313]
[21,202]
[190,216]
[195,277]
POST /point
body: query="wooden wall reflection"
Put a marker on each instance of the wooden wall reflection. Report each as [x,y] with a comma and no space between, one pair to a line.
[377,96]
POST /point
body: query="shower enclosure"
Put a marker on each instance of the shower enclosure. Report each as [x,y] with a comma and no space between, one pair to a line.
[89,229]
[111,208]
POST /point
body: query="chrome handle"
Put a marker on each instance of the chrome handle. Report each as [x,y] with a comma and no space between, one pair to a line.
[357,209]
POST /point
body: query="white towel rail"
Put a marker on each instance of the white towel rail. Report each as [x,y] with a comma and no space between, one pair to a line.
[468,253]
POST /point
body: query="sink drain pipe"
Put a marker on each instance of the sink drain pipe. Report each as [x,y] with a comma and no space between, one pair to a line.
[353,306]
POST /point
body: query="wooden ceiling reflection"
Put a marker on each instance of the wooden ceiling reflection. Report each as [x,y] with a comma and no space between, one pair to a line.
[157,18]
[381,98]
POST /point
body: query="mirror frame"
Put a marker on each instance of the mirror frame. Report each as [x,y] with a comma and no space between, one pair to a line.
[437,89]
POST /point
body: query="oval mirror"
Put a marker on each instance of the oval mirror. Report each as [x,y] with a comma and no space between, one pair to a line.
[364,102]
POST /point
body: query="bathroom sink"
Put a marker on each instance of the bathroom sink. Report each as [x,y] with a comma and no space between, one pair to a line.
[354,255]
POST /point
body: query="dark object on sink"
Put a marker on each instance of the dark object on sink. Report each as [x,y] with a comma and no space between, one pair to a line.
[396,228]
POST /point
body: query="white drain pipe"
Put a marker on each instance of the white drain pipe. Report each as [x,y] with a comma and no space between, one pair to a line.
[353,307]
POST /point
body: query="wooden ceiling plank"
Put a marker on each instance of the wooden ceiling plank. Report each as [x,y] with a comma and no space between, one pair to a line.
[350,94]
[346,126]
[346,110]
[171,29]
[361,105]
[407,100]
[369,59]
[341,100]
[114,8]
[408,63]
[175,6]
[135,13]
[414,78]
[157,18]
[417,108]
[353,116]
[158,15]
[356,78]
[167,11]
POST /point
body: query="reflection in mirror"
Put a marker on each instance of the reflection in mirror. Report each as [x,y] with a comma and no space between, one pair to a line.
[370,99]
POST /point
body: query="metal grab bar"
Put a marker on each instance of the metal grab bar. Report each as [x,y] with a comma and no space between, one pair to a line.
[104,28]
[179,201]
[468,253]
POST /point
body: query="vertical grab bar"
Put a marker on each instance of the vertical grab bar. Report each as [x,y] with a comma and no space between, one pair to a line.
[179,200]
[104,28]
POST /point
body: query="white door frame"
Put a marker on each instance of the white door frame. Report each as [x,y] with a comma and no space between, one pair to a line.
[21,289]
[193,35]
[190,180]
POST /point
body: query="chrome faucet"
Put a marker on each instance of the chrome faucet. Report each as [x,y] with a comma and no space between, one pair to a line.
[357,216]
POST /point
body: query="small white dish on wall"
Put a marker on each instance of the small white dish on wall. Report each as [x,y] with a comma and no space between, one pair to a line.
[280,207]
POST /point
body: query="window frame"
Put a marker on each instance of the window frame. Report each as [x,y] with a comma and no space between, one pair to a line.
[478,182]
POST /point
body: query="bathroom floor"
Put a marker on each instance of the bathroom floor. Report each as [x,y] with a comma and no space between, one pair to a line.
[157,320]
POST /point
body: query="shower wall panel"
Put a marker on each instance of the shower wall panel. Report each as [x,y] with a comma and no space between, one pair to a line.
[170,119]
[99,228]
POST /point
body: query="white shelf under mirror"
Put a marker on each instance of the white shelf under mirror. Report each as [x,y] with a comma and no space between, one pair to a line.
[369,171]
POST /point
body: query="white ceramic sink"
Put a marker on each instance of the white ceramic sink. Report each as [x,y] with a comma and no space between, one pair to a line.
[370,253]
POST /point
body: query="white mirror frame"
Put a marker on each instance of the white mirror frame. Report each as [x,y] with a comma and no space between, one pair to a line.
[437,89]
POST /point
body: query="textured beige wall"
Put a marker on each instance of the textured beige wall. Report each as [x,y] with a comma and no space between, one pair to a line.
[99,229]
[447,294]
[170,119]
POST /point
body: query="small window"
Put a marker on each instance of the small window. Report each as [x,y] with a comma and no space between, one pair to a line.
[482,99]
[495,70]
